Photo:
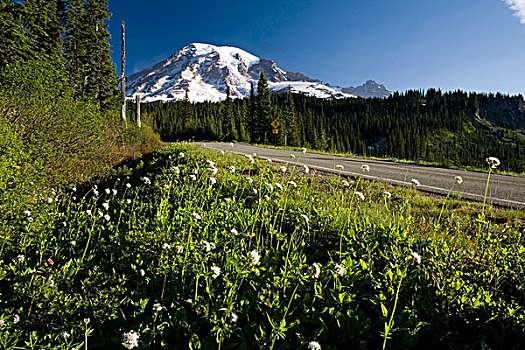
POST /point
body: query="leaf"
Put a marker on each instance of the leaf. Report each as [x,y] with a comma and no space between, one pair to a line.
[384,310]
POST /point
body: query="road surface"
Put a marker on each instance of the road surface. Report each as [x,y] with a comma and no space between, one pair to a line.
[508,191]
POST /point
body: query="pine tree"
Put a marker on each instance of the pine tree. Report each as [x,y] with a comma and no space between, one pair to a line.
[264,109]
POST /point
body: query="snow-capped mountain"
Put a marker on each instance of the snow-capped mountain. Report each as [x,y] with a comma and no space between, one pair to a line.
[368,89]
[204,72]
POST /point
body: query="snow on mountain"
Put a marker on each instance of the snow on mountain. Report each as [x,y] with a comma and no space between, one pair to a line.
[204,72]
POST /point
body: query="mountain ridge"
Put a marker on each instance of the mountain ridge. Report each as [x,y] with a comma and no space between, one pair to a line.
[203,72]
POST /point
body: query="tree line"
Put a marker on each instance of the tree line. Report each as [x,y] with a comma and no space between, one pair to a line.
[69,37]
[434,126]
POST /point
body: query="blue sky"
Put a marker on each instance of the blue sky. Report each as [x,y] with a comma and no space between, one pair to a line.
[474,45]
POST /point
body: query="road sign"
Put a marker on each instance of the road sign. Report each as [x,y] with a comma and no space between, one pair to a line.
[275,131]
[275,124]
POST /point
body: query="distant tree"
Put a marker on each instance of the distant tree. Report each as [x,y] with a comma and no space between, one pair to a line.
[264,109]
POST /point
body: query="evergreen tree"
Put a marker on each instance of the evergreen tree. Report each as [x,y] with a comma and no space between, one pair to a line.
[264,109]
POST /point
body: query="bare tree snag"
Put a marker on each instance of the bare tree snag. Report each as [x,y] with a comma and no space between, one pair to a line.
[122,75]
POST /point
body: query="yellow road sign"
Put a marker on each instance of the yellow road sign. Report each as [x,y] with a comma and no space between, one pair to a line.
[275,124]
[275,131]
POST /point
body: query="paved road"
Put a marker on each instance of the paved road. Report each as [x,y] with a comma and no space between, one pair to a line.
[506,191]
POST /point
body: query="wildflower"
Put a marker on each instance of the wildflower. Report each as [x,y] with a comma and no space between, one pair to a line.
[249,156]
[176,170]
[142,272]
[20,258]
[211,163]
[292,156]
[234,317]
[279,186]
[107,217]
[339,166]
[365,168]
[254,155]
[315,270]
[108,191]
[216,272]
[340,270]
[313,345]
[27,212]
[227,200]
[51,283]
[179,249]
[146,180]
[105,205]
[292,183]
[66,335]
[50,262]
[16,319]
[101,214]
[493,162]
[166,186]
[269,160]
[345,183]
[2,322]
[360,195]
[74,189]
[283,168]
[87,320]
[254,257]
[304,150]
[232,169]
[234,231]
[193,177]
[196,171]
[266,197]
[306,169]
[157,307]
[73,243]
[196,216]
[114,192]
[255,191]
[50,200]
[270,186]
[231,144]
[387,194]
[416,256]
[206,245]
[128,201]
[130,340]
[249,179]
[222,152]
[181,155]
[458,179]
[88,212]
[95,192]
[415,182]
[213,170]
[213,180]
[166,246]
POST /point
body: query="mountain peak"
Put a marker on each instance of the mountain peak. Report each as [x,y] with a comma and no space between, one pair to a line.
[205,71]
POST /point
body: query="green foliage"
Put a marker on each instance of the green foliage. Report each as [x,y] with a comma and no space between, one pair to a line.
[191,248]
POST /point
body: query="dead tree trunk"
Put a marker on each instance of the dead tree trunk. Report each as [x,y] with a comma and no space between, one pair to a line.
[122,75]
[137,101]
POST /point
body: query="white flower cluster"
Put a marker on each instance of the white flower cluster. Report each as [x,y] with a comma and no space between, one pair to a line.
[254,257]
[130,340]
[493,162]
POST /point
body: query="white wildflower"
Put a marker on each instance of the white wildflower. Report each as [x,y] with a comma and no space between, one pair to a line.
[114,192]
[416,256]
[292,183]
[50,200]
[206,245]
[345,183]
[305,218]
[222,152]
[20,258]
[213,170]
[2,322]
[166,186]
[128,185]
[196,171]
[493,162]
[181,155]
[458,179]
[270,186]
[27,213]
[231,168]
[231,144]
[179,249]
[66,335]
[211,163]
[73,243]
[142,272]
[216,272]
[315,270]
[306,169]
[234,317]
[249,156]
[146,180]
[255,191]
[279,186]
[266,197]
[234,231]
[387,194]
[304,150]
[166,246]
[360,195]
[176,170]
[415,182]
[313,345]
[51,283]
[101,214]
[193,177]
[340,270]
[128,201]
[157,307]
[249,179]
[292,156]
[365,168]
[108,191]
[74,189]
[88,212]
[107,217]
[213,180]
[130,340]
[269,160]
[16,319]
[254,257]
[105,205]
[339,166]
[283,168]
[254,155]
[196,216]
[95,192]
[227,200]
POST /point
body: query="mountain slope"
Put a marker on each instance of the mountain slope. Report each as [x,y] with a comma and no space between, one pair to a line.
[204,72]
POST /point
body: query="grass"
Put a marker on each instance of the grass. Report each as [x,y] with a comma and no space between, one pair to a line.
[192,248]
